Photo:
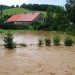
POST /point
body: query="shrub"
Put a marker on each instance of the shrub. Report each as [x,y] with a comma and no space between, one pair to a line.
[23,44]
[47,42]
[68,41]
[40,42]
[36,25]
[1,31]
[8,39]
[56,40]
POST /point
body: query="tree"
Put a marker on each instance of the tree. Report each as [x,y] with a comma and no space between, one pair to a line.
[23,5]
[60,19]
[48,17]
[17,6]
[8,39]
[1,14]
[70,8]
[71,2]
[12,6]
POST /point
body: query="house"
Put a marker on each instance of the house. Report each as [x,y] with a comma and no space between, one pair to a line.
[26,18]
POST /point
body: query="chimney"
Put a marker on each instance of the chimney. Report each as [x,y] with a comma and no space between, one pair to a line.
[25,12]
[33,12]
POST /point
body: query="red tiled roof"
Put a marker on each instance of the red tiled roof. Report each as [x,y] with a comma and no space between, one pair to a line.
[23,17]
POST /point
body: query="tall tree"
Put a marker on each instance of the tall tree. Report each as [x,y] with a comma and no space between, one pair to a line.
[23,5]
[60,18]
[48,17]
[17,6]
[70,8]
[12,6]
[71,2]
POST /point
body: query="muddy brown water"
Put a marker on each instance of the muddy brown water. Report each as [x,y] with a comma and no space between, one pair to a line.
[34,60]
[32,37]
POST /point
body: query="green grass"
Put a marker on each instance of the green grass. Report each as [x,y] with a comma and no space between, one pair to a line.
[12,31]
[19,11]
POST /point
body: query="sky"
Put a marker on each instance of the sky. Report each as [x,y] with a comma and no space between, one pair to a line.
[19,2]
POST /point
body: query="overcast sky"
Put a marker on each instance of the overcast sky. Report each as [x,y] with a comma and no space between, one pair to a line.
[19,2]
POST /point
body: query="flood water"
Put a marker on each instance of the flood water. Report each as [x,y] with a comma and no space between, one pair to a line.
[35,60]
[32,37]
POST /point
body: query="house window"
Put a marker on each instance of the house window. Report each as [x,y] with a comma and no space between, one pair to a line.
[40,18]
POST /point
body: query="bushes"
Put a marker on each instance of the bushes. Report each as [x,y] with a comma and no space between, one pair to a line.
[40,42]
[23,44]
[56,40]
[16,26]
[8,39]
[36,25]
[68,41]
[47,42]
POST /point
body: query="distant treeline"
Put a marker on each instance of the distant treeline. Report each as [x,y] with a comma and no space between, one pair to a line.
[38,7]
[7,7]
[4,7]
[35,7]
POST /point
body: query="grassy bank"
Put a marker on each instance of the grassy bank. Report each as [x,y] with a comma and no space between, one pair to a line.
[14,31]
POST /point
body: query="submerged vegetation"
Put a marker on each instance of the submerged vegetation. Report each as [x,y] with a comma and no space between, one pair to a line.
[56,40]
[40,42]
[68,41]
[47,42]
[9,42]
[23,44]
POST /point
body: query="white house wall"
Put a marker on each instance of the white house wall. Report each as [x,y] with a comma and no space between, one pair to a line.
[22,22]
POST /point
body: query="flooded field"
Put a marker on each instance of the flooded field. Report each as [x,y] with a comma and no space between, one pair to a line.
[32,37]
[34,60]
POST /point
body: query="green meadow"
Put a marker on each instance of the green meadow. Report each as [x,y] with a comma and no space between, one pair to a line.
[19,11]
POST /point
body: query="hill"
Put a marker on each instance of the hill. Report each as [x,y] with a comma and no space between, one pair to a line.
[12,11]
